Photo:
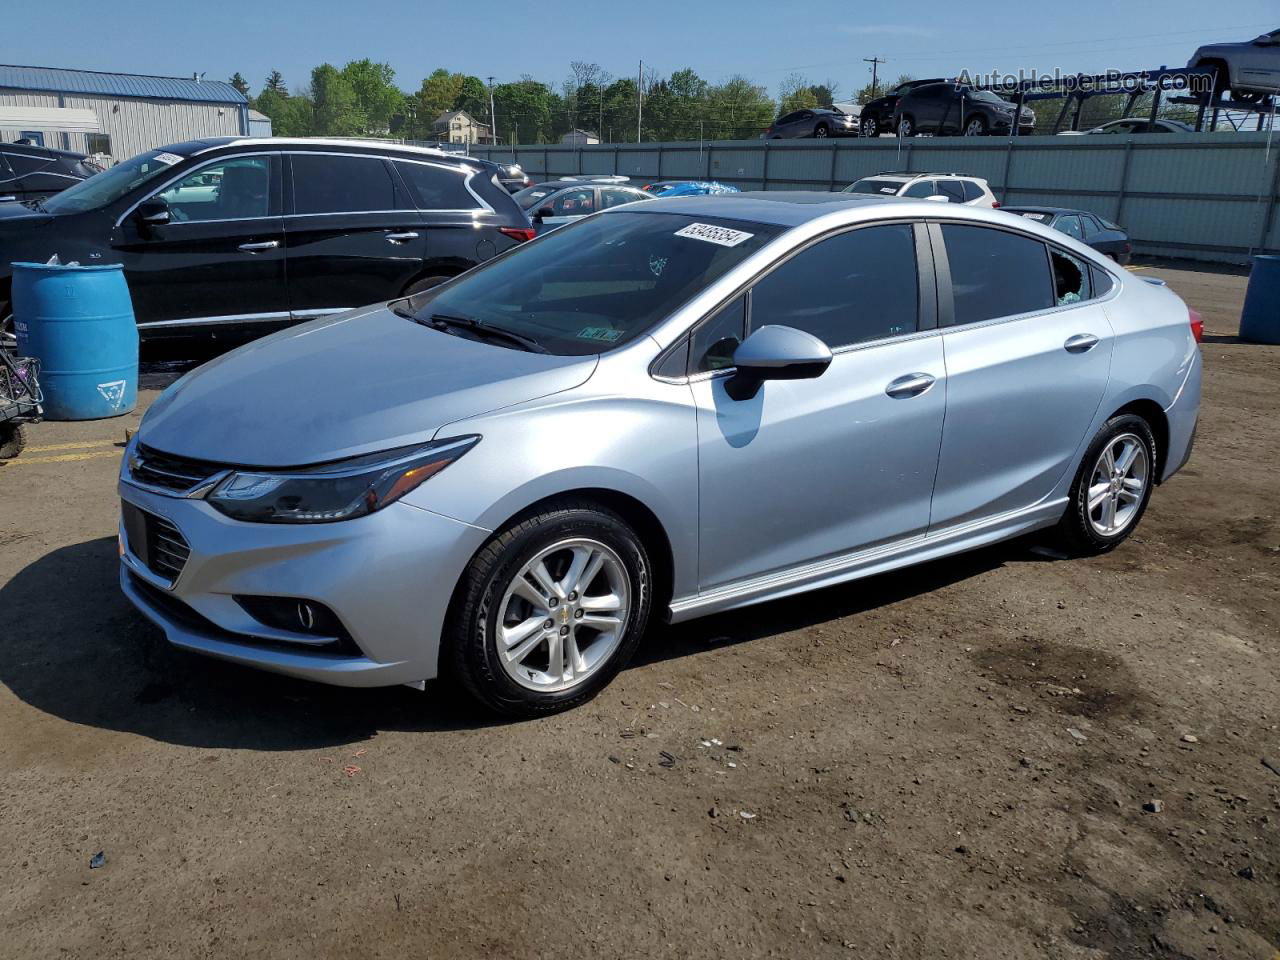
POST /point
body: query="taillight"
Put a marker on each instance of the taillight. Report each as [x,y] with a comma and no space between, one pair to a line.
[1197,325]
[518,233]
[995,204]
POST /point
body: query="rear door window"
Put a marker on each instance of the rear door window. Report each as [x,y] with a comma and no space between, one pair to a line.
[853,287]
[616,196]
[1091,225]
[995,273]
[575,203]
[952,190]
[326,183]
[1071,282]
[1070,225]
[435,187]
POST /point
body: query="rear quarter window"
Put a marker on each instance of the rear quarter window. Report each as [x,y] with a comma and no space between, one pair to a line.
[435,187]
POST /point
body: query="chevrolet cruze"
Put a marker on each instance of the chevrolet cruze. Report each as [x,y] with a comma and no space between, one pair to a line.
[659,412]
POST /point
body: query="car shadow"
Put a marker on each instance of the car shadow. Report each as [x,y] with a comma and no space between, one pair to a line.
[74,647]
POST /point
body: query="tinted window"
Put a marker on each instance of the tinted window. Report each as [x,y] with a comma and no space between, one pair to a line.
[1091,225]
[855,286]
[329,184]
[616,196]
[595,284]
[437,188]
[952,190]
[1102,282]
[790,118]
[870,185]
[715,341]
[1070,278]
[575,203]
[995,273]
[234,189]
[531,197]
[1070,226]
[972,191]
[25,164]
[921,188]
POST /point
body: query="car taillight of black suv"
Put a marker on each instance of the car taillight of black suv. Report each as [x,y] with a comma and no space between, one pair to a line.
[232,238]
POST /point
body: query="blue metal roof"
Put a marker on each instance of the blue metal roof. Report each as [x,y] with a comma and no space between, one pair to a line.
[90,83]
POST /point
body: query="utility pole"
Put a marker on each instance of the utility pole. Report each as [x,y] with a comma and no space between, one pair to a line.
[639,99]
[493,121]
[875,62]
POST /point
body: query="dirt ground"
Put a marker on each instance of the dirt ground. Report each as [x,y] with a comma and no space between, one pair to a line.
[951,761]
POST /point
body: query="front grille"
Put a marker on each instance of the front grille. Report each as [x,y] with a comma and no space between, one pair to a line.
[168,471]
[155,541]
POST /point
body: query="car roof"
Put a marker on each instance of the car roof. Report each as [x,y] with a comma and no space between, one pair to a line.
[37,150]
[192,147]
[786,208]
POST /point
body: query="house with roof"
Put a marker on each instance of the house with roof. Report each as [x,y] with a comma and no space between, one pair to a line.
[115,115]
[458,126]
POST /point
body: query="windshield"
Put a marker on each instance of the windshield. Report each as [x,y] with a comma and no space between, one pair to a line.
[110,185]
[888,188]
[597,283]
[528,197]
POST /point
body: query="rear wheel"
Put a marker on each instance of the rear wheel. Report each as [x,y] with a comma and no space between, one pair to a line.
[12,440]
[1112,487]
[869,127]
[906,126]
[550,610]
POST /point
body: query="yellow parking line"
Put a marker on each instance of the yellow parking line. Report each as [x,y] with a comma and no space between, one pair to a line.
[72,446]
[63,458]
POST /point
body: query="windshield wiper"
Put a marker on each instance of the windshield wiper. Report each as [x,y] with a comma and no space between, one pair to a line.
[440,321]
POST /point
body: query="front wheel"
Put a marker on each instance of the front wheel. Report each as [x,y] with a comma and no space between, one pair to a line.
[869,127]
[1112,487]
[12,440]
[821,131]
[550,610]
[975,127]
[906,127]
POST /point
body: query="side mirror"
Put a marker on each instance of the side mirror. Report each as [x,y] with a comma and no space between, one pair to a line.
[776,353]
[153,212]
[543,212]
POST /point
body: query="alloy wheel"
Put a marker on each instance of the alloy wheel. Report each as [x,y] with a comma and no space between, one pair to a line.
[563,615]
[973,128]
[1117,485]
[905,127]
[869,128]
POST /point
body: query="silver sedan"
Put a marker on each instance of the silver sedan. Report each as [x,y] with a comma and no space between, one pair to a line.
[656,413]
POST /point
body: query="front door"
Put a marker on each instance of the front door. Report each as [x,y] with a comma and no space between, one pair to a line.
[353,235]
[220,258]
[1028,357]
[810,469]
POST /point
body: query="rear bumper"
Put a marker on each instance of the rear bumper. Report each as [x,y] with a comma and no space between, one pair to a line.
[1183,415]
[388,577]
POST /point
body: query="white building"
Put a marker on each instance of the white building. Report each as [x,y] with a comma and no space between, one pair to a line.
[458,126]
[117,115]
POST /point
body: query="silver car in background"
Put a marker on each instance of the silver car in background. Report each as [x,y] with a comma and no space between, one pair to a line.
[659,412]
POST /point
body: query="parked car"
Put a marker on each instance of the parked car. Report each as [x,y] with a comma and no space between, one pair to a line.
[1129,125]
[811,123]
[30,172]
[1250,69]
[952,187]
[687,188]
[877,115]
[1103,235]
[233,237]
[664,411]
[557,202]
[944,109]
[513,177]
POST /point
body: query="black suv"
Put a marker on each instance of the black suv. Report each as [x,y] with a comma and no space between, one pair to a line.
[952,108]
[29,172]
[236,237]
[877,116]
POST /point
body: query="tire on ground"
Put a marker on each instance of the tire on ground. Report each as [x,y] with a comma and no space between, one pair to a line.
[1075,533]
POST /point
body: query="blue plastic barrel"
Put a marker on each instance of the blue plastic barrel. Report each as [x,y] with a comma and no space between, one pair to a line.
[79,322]
[1260,321]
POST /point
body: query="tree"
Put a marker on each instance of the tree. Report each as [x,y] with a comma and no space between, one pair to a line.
[742,107]
[473,97]
[795,93]
[377,97]
[866,93]
[525,110]
[275,83]
[240,83]
[437,95]
[290,116]
[337,110]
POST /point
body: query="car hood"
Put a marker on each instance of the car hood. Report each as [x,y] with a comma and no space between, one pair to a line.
[356,383]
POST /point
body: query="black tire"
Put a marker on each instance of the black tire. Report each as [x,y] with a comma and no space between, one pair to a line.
[906,126]
[822,131]
[1076,532]
[469,650]
[13,439]
[869,127]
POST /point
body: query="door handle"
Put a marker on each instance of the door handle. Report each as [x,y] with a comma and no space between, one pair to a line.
[255,247]
[401,237]
[911,385]
[1080,343]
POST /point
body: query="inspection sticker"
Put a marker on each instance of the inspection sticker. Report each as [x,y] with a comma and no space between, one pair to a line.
[713,234]
[599,333]
[168,159]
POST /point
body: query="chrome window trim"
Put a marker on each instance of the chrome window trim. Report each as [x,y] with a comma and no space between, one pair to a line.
[468,174]
[186,173]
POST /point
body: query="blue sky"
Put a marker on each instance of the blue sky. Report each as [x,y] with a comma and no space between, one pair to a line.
[821,39]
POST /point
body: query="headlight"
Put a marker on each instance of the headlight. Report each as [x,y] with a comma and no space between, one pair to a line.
[334,491]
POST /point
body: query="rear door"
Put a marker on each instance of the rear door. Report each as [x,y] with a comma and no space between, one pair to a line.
[353,234]
[1028,351]
[219,261]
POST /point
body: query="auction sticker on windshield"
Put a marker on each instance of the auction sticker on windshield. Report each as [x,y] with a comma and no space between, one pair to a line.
[713,234]
[169,159]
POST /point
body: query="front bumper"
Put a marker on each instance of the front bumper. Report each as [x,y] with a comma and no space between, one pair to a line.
[388,577]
